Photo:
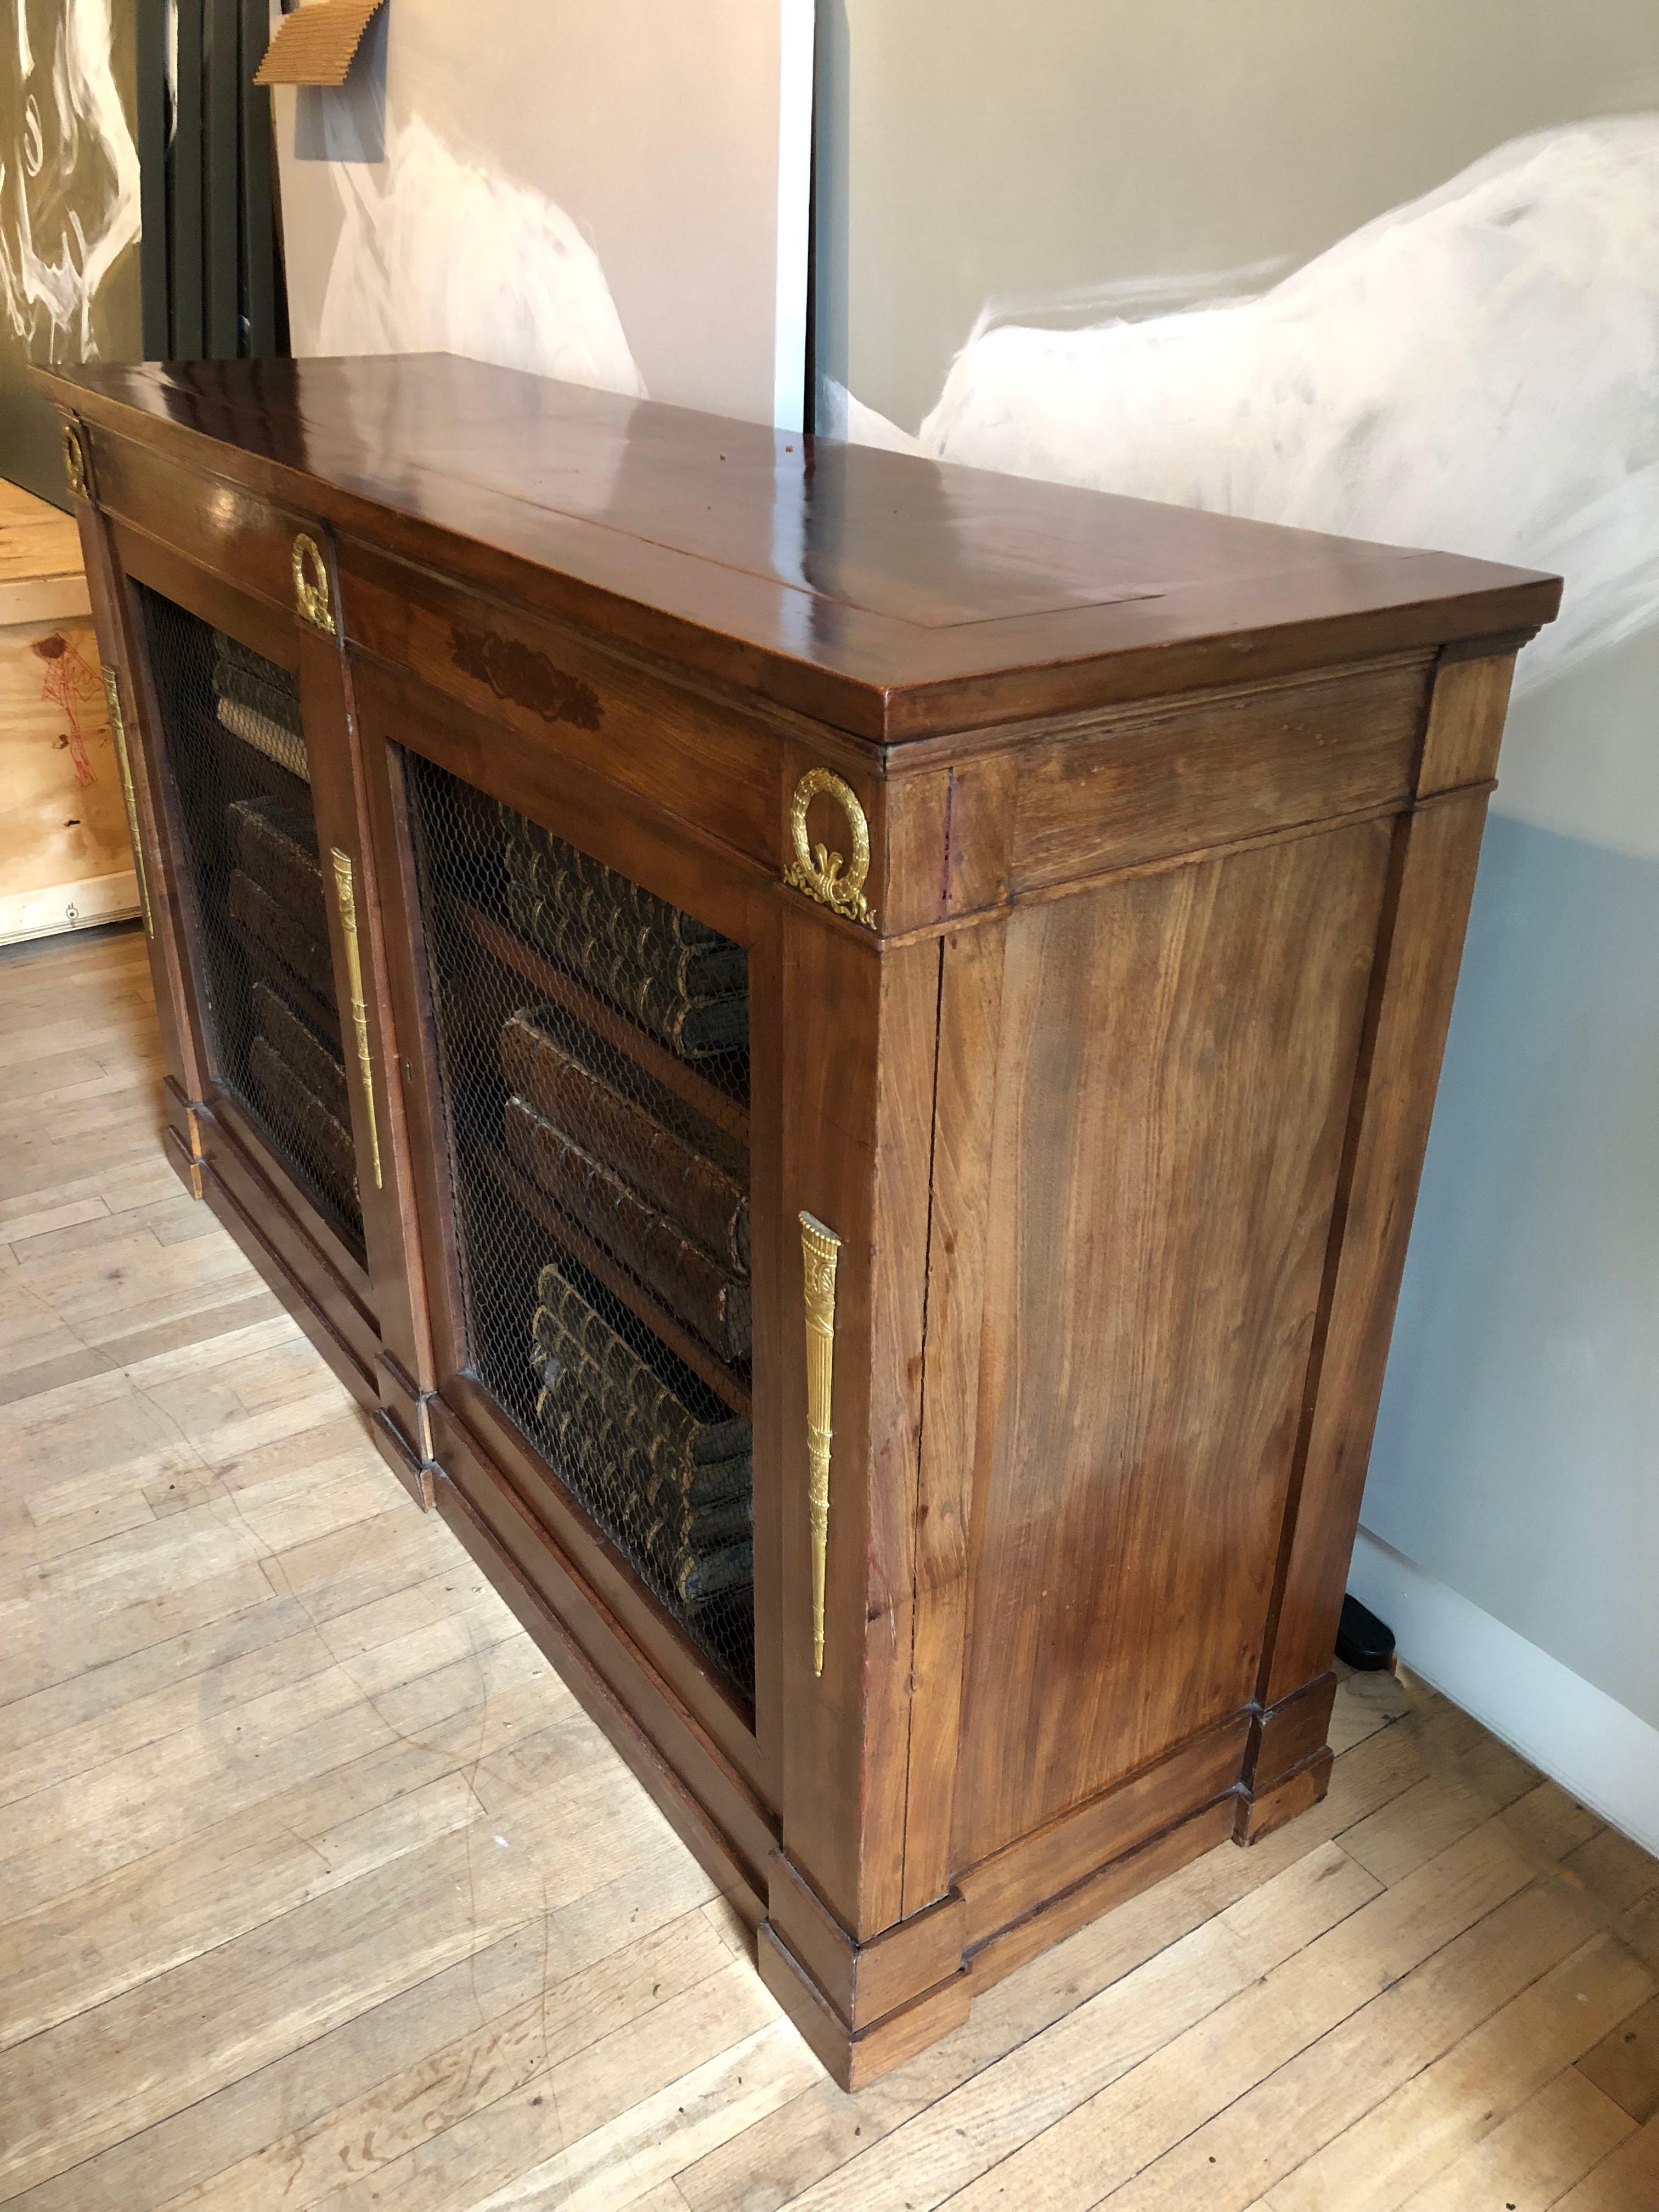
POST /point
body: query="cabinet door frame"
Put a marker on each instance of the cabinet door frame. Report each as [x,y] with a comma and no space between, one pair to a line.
[345,1288]
[398,715]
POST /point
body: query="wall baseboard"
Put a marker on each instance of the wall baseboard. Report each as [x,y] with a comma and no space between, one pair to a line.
[1603,1754]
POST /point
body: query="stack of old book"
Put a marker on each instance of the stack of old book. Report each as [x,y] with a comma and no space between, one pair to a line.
[674,1488]
[258,701]
[658,1200]
[297,1073]
[676,976]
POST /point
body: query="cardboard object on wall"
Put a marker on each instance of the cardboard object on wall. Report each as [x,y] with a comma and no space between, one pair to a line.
[317,44]
[65,862]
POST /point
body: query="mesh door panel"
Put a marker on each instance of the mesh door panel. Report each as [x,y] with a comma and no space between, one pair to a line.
[593,1050]
[232,729]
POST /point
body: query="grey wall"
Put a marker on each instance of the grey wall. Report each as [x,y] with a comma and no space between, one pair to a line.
[1515,1452]
[971,153]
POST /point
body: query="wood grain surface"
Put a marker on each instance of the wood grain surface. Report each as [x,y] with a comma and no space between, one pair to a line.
[888,595]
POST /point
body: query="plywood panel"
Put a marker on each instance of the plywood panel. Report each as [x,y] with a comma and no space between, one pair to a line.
[65,857]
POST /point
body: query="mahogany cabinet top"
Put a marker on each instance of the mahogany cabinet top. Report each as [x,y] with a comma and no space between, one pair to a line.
[890,596]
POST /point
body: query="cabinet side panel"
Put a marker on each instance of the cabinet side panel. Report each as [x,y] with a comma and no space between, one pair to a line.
[1176,1059]
[1441,849]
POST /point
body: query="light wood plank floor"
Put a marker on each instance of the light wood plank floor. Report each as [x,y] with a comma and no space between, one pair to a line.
[319,1890]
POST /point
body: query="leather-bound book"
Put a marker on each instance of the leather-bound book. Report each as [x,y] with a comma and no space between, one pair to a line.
[696,1554]
[556,868]
[237,686]
[671,1005]
[694,1576]
[674,1486]
[240,672]
[697,1440]
[280,934]
[318,1067]
[707,1297]
[674,1441]
[259,702]
[707,1203]
[637,931]
[299,1118]
[704,1529]
[690,1488]
[276,846]
[274,930]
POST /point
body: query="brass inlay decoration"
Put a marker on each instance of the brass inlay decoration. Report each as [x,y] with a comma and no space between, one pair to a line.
[75,462]
[118,730]
[820,1248]
[311,584]
[345,896]
[821,873]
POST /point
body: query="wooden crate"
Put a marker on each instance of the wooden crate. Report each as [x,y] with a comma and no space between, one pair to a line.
[66,861]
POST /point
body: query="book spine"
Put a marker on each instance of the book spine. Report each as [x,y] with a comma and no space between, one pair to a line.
[278,745]
[278,932]
[651,1417]
[593,1431]
[696,1576]
[665,1419]
[694,1030]
[705,1203]
[240,687]
[319,1141]
[711,1484]
[293,1040]
[703,1528]
[706,1297]
[609,903]
[280,864]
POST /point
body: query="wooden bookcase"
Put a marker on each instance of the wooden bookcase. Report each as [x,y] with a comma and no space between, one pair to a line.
[1099,871]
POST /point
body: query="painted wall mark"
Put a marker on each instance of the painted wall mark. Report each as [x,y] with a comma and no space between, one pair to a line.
[68,175]
[1476,371]
[440,255]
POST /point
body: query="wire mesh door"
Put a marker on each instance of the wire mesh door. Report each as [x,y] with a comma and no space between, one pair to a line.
[593,1051]
[235,750]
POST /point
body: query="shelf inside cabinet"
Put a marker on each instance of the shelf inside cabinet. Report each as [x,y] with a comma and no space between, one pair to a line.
[549,981]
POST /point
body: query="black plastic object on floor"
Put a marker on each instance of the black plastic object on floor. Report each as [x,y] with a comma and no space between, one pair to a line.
[1362,1640]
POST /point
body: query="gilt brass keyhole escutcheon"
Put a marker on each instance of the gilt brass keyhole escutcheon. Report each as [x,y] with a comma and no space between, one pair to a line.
[311,584]
[75,462]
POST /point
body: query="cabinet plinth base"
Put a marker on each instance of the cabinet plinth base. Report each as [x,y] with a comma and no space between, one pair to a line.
[855,2058]
[907,1987]
[1261,1811]
[182,1140]
[415,1476]
[403,1431]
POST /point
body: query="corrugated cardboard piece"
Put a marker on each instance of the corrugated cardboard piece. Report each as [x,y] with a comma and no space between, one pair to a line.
[316,44]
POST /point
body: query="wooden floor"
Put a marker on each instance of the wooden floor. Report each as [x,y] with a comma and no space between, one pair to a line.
[316,1888]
